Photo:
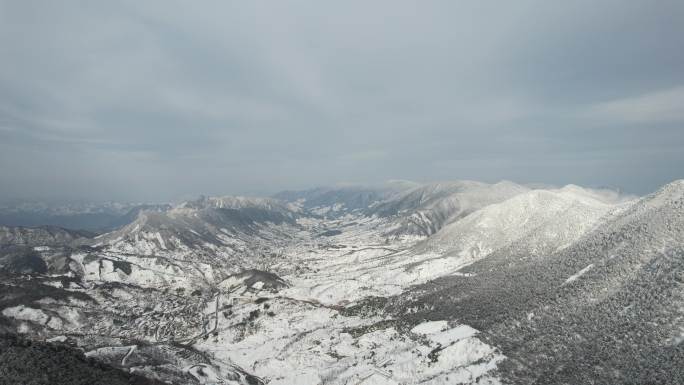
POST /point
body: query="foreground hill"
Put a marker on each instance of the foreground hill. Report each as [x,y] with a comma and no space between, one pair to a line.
[57,364]
[605,309]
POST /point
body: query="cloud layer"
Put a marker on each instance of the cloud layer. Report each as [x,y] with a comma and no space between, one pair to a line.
[161,99]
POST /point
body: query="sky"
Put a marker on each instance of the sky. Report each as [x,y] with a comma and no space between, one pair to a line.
[162,100]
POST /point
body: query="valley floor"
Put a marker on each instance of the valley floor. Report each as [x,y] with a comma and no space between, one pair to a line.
[305,334]
[149,319]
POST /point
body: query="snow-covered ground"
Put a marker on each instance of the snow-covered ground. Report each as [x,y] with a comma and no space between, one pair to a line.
[300,335]
[286,341]
[296,327]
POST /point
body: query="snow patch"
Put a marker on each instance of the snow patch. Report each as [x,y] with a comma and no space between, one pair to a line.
[579,274]
[24,313]
[430,327]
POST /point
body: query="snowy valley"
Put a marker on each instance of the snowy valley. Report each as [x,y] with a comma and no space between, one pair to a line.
[401,283]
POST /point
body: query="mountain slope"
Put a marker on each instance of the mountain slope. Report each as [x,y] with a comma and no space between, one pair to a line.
[606,309]
[542,221]
[334,202]
[425,209]
[58,363]
[528,225]
[207,223]
[41,236]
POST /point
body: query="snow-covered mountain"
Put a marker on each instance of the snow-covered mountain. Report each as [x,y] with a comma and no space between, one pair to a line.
[206,223]
[614,296]
[334,202]
[539,221]
[423,210]
[41,236]
[456,282]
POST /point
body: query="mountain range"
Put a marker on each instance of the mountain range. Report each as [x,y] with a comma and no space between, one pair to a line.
[395,283]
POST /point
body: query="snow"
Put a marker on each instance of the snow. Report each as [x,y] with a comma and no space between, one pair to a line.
[430,327]
[303,337]
[452,335]
[57,339]
[463,353]
[160,240]
[25,313]
[305,343]
[574,277]
[538,222]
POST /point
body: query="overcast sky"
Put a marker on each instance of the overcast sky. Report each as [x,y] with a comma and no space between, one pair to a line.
[161,100]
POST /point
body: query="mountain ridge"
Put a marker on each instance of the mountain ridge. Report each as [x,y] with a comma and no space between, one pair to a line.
[458,282]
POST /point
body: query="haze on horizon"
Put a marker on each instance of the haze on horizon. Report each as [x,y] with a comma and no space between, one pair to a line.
[156,100]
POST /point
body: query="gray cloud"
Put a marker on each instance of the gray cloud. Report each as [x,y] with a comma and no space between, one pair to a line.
[160,100]
[654,107]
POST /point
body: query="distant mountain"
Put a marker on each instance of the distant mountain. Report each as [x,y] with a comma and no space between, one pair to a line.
[206,223]
[41,236]
[39,250]
[91,217]
[337,201]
